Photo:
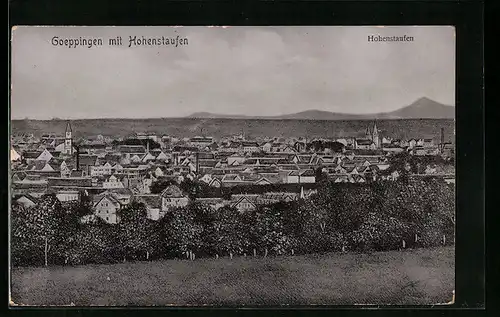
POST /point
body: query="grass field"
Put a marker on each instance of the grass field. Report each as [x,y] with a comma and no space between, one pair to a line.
[413,277]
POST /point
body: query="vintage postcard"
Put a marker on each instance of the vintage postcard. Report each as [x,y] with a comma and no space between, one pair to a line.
[232,166]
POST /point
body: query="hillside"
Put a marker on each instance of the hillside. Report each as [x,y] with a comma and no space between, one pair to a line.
[423,108]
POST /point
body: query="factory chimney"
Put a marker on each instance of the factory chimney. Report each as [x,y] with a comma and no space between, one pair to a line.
[442,140]
[197,162]
[77,158]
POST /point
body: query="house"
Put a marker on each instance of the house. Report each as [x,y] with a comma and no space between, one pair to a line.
[122,195]
[172,197]
[41,166]
[147,157]
[44,156]
[412,143]
[161,156]
[207,178]
[386,140]
[301,176]
[215,182]
[428,143]
[147,181]
[14,156]
[68,183]
[29,156]
[364,144]
[107,207]
[86,161]
[238,159]
[153,205]
[101,170]
[266,147]
[68,195]
[132,149]
[244,203]
[35,189]
[200,141]
[113,181]
[250,147]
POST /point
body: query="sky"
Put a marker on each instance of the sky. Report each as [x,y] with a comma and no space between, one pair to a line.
[261,71]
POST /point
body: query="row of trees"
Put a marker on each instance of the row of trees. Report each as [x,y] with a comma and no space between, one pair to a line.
[340,217]
[199,189]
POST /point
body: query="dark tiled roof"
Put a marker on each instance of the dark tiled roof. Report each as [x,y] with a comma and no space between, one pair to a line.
[151,201]
[131,149]
[70,182]
[31,155]
[87,159]
[172,191]
[364,141]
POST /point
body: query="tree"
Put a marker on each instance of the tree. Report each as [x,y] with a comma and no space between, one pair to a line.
[133,230]
[158,186]
[39,226]
[181,230]
[230,234]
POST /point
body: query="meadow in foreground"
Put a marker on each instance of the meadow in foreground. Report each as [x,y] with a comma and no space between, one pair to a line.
[411,277]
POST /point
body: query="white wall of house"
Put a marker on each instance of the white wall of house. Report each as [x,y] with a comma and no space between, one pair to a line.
[168,202]
[68,196]
[107,209]
[153,213]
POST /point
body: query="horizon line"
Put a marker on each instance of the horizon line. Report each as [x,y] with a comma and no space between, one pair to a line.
[228,118]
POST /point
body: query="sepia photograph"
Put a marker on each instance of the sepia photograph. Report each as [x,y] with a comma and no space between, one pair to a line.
[232,166]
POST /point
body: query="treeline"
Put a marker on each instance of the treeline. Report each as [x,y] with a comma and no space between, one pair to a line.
[406,164]
[340,217]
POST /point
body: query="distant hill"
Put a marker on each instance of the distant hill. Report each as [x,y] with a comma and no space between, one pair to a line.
[423,108]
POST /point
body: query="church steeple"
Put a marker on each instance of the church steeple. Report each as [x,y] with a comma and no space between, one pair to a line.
[368,133]
[68,127]
[375,137]
[68,140]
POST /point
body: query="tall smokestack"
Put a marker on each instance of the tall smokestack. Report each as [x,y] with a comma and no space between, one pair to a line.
[77,158]
[197,162]
[442,139]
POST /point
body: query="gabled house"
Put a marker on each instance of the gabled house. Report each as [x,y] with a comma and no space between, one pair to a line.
[14,155]
[45,156]
[153,205]
[364,144]
[207,178]
[25,200]
[68,195]
[244,202]
[148,157]
[215,182]
[113,181]
[107,207]
[161,156]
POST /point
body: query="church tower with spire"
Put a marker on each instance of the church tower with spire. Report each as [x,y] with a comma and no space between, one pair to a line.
[68,141]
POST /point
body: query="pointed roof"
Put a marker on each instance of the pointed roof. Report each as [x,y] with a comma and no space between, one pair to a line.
[375,130]
[68,127]
[368,131]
